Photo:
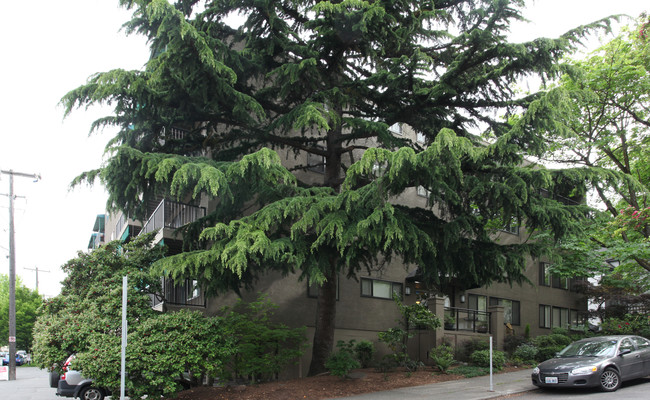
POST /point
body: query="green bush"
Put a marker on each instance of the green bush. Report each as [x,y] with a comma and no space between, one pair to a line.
[465,350]
[636,324]
[442,356]
[263,348]
[481,358]
[364,350]
[342,361]
[525,353]
[552,340]
[512,342]
[548,352]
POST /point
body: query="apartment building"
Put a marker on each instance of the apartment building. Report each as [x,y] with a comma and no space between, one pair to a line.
[365,306]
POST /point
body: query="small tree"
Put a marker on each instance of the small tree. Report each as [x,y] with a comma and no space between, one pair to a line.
[343,360]
[413,316]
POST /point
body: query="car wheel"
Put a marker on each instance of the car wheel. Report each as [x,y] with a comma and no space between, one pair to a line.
[91,393]
[610,380]
[54,379]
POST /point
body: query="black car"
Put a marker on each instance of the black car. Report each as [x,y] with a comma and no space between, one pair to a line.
[603,362]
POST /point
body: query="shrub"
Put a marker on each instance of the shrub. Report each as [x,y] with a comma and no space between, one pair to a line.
[465,350]
[525,353]
[343,361]
[547,352]
[481,358]
[552,340]
[527,332]
[364,350]
[442,356]
[512,342]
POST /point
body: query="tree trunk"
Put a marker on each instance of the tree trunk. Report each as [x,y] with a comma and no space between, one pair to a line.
[325,315]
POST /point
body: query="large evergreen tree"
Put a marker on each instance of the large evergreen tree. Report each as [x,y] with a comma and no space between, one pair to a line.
[329,78]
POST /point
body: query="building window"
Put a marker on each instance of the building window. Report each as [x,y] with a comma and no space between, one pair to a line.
[511,310]
[544,316]
[548,279]
[511,227]
[477,302]
[560,317]
[544,274]
[380,289]
[396,128]
[560,282]
[192,289]
[314,288]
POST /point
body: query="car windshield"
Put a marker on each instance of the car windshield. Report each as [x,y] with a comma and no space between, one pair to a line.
[601,348]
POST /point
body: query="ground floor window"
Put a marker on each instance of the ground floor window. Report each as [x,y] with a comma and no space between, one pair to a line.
[544,316]
[477,302]
[560,318]
[380,289]
[511,310]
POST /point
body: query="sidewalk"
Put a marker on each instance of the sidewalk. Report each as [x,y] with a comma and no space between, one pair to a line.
[463,389]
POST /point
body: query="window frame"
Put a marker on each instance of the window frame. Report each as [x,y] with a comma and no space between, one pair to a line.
[500,301]
[372,294]
[542,320]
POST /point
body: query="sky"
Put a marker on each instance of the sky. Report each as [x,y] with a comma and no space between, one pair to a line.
[53,48]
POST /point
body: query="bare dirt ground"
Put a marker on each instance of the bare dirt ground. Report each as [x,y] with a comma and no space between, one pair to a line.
[322,387]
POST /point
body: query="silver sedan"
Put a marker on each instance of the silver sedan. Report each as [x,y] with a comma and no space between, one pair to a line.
[604,362]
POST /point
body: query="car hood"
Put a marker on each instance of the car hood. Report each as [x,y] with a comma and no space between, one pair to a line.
[566,364]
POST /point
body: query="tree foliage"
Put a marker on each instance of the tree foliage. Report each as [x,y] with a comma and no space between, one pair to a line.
[27,304]
[328,79]
[606,124]
[165,351]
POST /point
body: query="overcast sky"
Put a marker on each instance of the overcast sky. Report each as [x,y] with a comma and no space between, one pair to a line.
[53,48]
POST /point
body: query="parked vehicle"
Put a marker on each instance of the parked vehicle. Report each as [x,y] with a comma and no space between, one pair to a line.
[603,362]
[19,360]
[72,384]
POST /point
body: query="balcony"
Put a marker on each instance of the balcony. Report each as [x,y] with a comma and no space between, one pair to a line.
[172,215]
[185,293]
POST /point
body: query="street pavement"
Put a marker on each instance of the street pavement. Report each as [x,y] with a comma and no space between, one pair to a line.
[463,389]
[31,384]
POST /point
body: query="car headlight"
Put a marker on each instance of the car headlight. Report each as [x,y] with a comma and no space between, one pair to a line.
[585,370]
[536,370]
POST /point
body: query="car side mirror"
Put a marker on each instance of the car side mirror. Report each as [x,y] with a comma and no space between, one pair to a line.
[623,352]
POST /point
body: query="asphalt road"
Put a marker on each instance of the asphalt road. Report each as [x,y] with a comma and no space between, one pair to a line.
[31,384]
[633,390]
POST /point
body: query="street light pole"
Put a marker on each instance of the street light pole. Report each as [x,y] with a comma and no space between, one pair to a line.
[12,272]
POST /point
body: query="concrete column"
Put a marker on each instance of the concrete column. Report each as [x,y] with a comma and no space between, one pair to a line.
[498,329]
[439,310]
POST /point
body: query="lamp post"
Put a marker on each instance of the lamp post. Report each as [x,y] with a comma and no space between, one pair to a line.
[12,271]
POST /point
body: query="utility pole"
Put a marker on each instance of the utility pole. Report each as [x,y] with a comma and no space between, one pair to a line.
[36,269]
[12,271]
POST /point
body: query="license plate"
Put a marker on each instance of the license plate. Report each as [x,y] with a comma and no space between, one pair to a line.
[551,379]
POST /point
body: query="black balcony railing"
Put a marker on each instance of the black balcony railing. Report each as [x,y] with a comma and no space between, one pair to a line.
[465,319]
[170,214]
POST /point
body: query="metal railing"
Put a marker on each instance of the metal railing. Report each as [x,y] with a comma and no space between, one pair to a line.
[170,214]
[465,319]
